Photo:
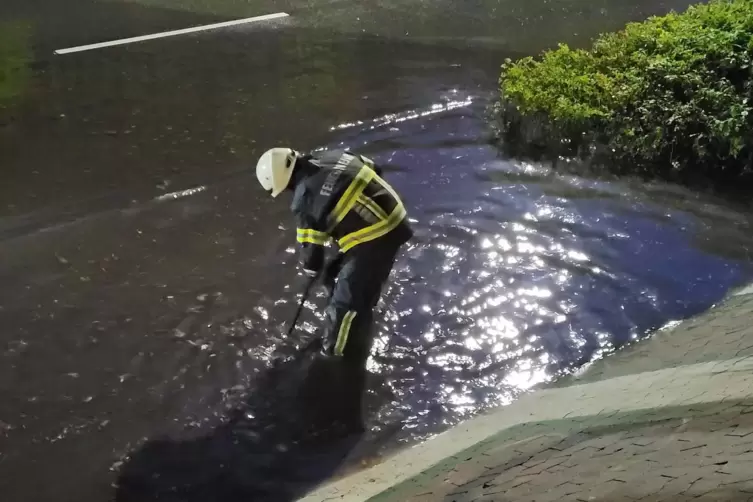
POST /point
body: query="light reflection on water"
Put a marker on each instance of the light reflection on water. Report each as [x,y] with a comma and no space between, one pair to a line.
[516,275]
[510,281]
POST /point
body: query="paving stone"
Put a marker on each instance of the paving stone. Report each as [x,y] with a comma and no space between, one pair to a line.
[745,486]
[464,472]
[494,497]
[563,491]
[544,466]
[742,451]
[521,480]
[505,462]
[603,491]
[683,448]
[705,485]
[425,497]
[506,476]
[570,441]
[514,494]
[536,444]
[678,485]
[648,485]
[718,495]
[555,469]
[616,447]
[643,441]
[669,498]
[737,470]
[726,445]
[594,443]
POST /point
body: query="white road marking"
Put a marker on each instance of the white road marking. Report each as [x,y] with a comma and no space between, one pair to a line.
[171,33]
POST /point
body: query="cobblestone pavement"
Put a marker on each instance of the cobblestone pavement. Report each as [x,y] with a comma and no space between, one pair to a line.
[667,419]
[687,453]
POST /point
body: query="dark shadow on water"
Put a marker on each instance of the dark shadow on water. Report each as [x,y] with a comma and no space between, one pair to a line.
[276,447]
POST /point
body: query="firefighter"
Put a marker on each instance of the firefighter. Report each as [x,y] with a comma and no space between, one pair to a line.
[340,196]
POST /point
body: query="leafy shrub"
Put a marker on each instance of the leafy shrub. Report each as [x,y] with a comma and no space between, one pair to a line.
[670,96]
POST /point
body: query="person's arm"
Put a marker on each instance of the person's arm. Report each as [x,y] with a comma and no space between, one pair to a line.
[312,242]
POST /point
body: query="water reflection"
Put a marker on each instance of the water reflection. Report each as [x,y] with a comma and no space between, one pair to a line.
[122,325]
[173,308]
[513,281]
[395,118]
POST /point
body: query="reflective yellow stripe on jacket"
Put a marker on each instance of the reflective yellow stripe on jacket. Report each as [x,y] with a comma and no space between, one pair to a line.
[312,236]
[373,207]
[354,190]
[379,229]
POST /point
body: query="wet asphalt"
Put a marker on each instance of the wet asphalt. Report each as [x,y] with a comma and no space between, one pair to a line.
[146,280]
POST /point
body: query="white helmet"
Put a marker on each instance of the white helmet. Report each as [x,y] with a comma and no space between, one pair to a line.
[275,168]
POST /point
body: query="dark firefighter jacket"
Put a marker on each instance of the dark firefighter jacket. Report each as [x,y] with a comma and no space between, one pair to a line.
[341,196]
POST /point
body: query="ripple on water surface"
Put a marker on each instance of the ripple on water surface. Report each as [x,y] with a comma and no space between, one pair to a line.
[171,311]
[517,273]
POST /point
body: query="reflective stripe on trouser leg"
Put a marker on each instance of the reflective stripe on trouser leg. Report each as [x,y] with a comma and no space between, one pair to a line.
[342,334]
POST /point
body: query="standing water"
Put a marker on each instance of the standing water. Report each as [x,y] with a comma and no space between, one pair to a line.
[147,280]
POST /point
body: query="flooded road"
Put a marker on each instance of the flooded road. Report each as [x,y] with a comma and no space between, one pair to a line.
[147,281]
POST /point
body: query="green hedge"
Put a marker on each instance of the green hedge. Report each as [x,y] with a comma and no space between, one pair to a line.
[670,96]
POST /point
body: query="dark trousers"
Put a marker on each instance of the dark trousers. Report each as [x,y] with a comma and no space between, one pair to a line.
[347,336]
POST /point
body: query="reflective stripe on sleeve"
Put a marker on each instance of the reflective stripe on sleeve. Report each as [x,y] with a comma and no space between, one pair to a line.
[304,235]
